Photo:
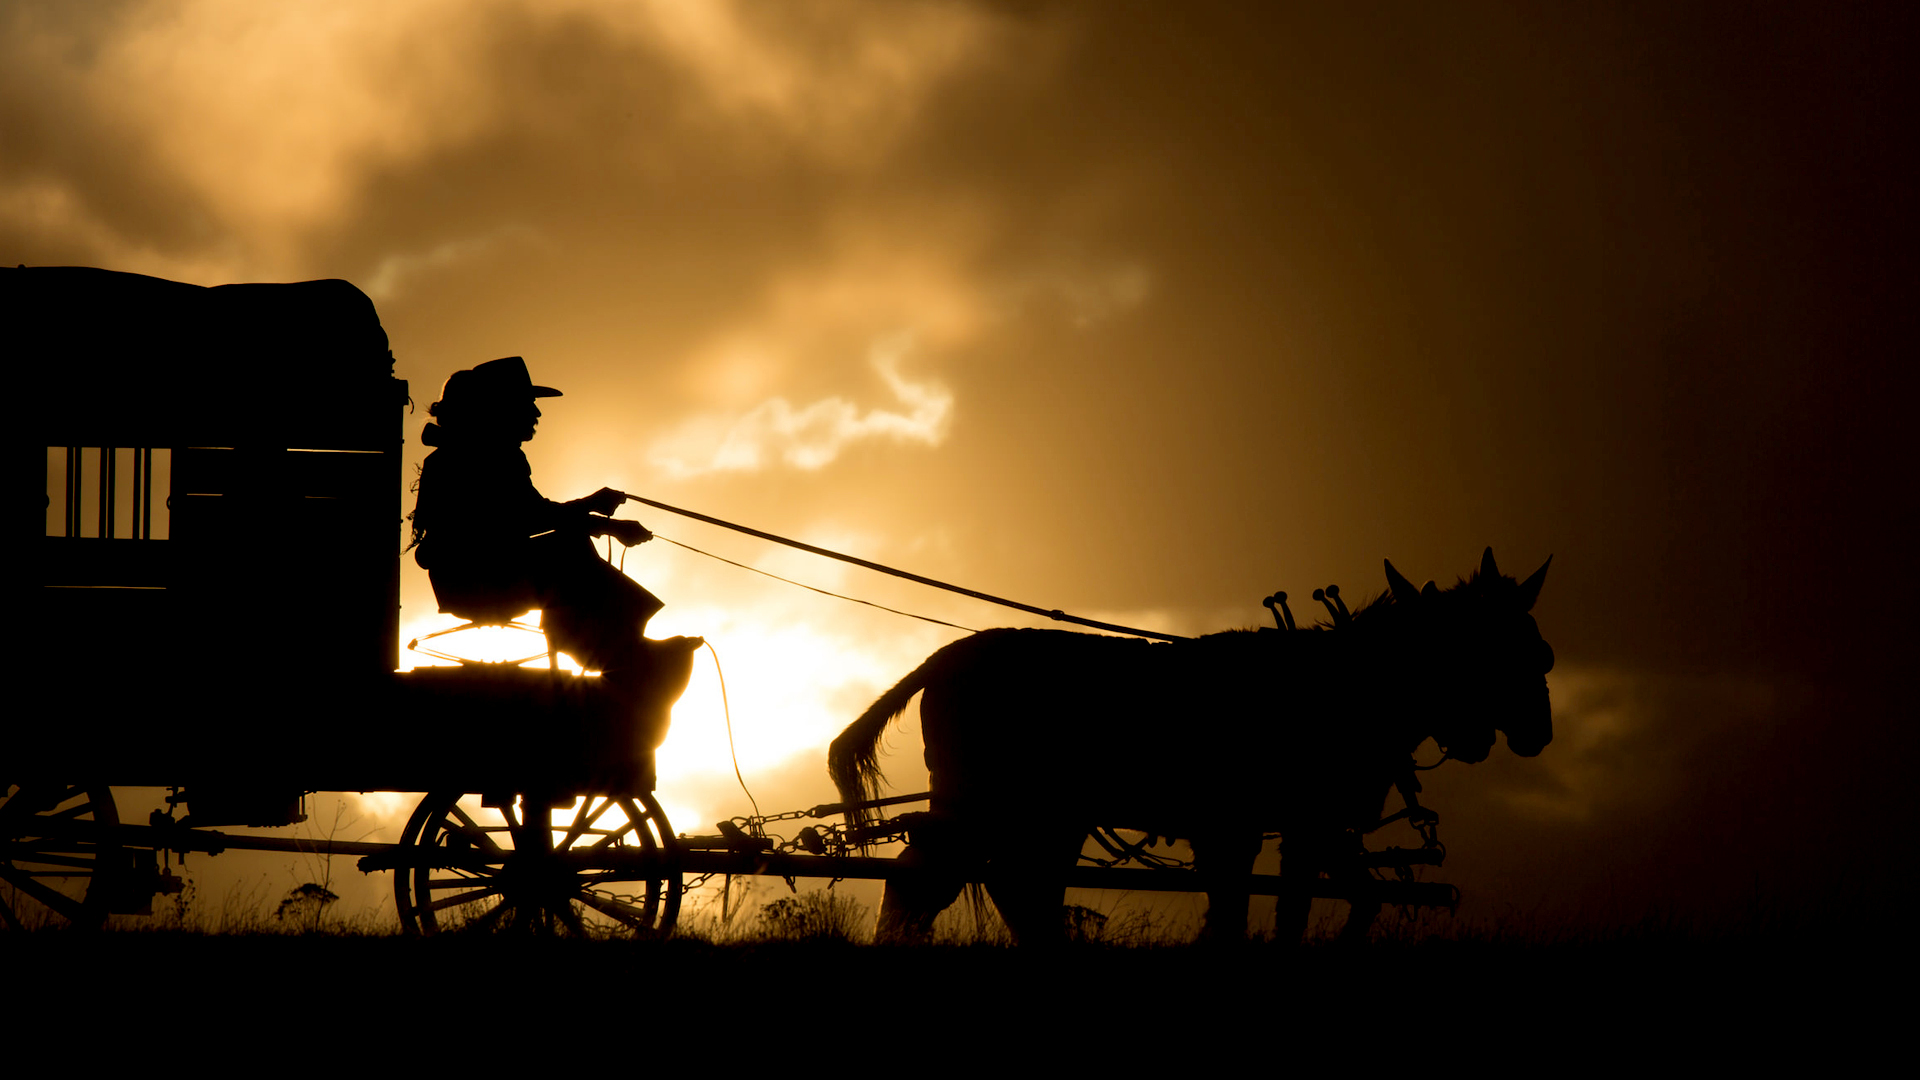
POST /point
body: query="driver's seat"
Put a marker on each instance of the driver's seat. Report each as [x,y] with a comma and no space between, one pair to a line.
[497,609]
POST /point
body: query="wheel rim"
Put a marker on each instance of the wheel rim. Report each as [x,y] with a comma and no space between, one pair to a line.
[603,867]
[56,868]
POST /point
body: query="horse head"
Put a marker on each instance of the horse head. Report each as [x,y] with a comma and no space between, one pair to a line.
[1479,650]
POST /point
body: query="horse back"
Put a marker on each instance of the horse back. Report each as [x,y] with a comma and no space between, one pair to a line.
[1121,731]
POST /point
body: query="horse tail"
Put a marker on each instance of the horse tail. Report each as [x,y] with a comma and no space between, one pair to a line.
[853,760]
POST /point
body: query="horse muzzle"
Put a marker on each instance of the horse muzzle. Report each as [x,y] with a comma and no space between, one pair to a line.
[1529,740]
[1527,749]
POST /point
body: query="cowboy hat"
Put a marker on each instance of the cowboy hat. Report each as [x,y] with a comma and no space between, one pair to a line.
[505,379]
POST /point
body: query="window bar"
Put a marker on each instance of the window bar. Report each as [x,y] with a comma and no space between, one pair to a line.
[73,491]
[146,493]
[108,455]
[133,505]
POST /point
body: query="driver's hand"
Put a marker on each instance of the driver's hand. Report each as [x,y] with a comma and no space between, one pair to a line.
[604,501]
[628,532]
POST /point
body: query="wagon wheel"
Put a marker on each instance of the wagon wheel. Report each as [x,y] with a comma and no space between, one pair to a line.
[606,866]
[55,869]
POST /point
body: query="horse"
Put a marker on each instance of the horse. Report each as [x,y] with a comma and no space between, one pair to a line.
[1035,737]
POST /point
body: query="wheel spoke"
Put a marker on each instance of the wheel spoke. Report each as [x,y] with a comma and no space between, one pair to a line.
[469,897]
[569,918]
[71,813]
[634,818]
[602,843]
[66,905]
[583,822]
[474,831]
[484,878]
[37,858]
[48,848]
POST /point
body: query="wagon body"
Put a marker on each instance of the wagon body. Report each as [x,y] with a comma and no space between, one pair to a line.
[278,425]
[216,598]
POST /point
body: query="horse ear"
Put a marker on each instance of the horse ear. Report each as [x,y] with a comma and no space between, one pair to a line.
[1530,588]
[1487,569]
[1429,591]
[1403,590]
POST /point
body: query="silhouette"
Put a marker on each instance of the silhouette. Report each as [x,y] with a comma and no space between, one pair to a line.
[1035,737]
[215,602]
[494,548]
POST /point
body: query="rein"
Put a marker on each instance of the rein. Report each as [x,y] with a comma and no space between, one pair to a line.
[1052,613]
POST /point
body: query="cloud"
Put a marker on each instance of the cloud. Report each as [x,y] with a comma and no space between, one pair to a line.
[1090,293]
[46,214]
[273,115]
[812,436]
[841,80]
[1626,739]
[394,272]
[259,127]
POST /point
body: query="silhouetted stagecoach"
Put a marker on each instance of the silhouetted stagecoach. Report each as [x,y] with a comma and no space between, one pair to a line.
[215,611]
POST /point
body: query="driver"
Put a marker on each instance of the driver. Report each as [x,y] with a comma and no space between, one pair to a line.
[495,549]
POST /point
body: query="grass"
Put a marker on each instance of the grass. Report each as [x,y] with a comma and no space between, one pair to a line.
[798,974]
[762,911]
[786,972]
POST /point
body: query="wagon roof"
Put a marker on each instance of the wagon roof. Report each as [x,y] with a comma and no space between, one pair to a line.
[128,359]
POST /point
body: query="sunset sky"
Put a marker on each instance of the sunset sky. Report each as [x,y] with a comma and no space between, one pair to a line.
[1138,310]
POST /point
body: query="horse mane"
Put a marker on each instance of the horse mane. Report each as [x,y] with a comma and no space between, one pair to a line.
[1374,605]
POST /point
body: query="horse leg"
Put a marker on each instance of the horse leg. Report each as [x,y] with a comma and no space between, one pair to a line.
[913,900]
[1363,911]
[1302,856]
[1359,922]
[1228,858]
[1028,891]
[1034,913]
